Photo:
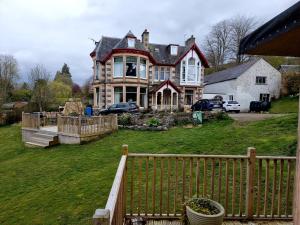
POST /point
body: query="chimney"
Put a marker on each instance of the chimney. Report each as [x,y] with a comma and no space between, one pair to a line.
[190,41]
[145,38]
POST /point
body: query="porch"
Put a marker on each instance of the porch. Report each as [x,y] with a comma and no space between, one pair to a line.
[155,186]
[165,97]
[42,128]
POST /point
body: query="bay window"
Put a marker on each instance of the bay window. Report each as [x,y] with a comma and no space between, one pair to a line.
[143,97]
[97,74]
[131,94]
[191,77]
[118,66]
[183,71]
[131,66]
[118,94]
[143,68]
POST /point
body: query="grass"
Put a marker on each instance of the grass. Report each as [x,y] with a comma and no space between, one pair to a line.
[285,105]
[65,184]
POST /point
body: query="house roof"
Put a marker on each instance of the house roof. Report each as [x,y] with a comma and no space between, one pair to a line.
[230,73]
[166,82]
[158,53]
[279,36]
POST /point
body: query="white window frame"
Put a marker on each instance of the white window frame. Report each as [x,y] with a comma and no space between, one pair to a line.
[136,64]
[144,69]
[162,72]
[174,49]
[185,68]
[131,42]
[122,66]
[156,73]
[259,79]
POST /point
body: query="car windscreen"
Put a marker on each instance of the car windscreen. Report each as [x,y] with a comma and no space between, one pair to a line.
[122,105]
[233,102]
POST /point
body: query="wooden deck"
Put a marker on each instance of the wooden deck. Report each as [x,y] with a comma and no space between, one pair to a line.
[178,222]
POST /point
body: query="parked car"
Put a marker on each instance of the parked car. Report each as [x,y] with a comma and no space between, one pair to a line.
[231,106]
[127,107]
[258,106]
[207,105]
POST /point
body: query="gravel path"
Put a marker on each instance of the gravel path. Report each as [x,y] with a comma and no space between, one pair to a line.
[247,117]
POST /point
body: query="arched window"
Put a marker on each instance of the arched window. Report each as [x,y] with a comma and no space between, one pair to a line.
[191,70]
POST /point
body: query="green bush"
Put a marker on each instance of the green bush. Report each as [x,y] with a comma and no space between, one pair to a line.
[222,116]
[153,122]
[125,119]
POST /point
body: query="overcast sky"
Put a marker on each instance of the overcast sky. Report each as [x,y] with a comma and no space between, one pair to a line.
[51,32]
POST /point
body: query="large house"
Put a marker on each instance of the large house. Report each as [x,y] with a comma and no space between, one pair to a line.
[154,76]
[255,80]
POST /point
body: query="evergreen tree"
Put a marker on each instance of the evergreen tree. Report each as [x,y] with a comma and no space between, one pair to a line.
[64,76]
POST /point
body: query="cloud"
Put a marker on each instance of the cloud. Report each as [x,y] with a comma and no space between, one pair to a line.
[53,32]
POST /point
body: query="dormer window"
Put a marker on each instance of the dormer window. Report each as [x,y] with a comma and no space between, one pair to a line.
[174,49]
[131,42]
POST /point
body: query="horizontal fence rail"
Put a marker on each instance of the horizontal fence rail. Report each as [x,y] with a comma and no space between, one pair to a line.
[248,187]
[87,126]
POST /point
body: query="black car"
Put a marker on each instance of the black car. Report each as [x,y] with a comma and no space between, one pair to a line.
[207,105]
[128,107]
[259,106]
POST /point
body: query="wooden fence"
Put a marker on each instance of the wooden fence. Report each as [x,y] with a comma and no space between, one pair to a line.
[248,186]
[87,126]
[31,120]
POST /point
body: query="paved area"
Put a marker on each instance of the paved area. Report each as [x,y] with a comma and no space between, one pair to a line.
[247,117]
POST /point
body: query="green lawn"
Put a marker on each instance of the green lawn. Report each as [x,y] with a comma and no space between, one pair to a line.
[64,184]
[285,105]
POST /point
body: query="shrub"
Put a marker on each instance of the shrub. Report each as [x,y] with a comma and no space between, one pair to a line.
[125,119]
[73,114]
[202,205]
[221,116]
[153,122]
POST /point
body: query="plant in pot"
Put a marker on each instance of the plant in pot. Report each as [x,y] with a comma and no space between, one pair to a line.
[203,211]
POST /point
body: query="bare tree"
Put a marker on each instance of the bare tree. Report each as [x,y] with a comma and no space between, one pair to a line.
[217,44]
[240,26]
[8,76]
[39,78]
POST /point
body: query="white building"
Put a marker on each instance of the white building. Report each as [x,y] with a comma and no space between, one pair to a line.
[255,80]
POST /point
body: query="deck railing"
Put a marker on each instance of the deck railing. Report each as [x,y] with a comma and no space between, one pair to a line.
[87,126]
[248,186]
[31,120]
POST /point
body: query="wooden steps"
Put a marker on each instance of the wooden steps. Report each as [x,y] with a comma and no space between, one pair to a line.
[42,139]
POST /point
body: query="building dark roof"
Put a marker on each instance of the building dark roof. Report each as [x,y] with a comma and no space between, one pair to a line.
[279,36]
[230,73]
[157,52]
[166,82]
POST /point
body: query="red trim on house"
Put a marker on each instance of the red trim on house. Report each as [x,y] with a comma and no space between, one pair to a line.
[146,53]
[126,50]
[166,82]
[197,50]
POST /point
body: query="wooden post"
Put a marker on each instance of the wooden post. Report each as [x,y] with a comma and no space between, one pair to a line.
[250,182]
[39,120]
[125,149]
[79,124]
[101,217]
[296,207]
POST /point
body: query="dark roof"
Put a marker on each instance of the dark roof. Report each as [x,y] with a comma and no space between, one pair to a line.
[230,73]
[279,36]
[158,52]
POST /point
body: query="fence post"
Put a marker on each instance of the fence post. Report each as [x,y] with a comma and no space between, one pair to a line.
[39,121]
[79,124]
[250,182]
[101,217]
[125,149]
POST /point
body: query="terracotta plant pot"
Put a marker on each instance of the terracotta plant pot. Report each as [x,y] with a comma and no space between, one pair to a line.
[196,218]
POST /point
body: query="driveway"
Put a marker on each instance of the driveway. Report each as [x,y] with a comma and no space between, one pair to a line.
[247,117]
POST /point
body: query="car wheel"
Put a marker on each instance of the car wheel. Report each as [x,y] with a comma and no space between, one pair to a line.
[237,111]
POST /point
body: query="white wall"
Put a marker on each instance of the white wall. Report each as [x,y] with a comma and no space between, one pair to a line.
[244,89]
[248,90]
